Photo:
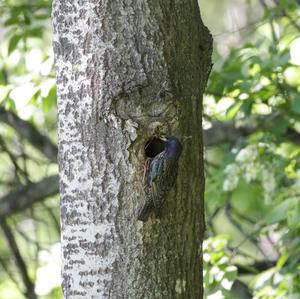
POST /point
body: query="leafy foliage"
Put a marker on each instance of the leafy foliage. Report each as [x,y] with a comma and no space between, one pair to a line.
[27,119]
[256,88]
[219,274]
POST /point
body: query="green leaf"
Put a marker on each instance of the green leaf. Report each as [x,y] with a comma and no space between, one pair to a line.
[35,97]
[54,294]
[11,21]
[279,212]
[295,104]
[231,273]
[246,107]
[282,260]
[284,59]
[13,43]
[234,109]
[16,11]
[42,17]
[293,217]
[34,32]
[27,19]
[4,91]
[245,86]
[255,59]
[49,101]
[281,126]
[10,105]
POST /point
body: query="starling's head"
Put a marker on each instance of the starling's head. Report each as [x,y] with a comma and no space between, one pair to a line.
[173,146]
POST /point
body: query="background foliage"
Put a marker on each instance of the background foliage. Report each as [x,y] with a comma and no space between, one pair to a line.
[252,137]
[253,178]
[29,249]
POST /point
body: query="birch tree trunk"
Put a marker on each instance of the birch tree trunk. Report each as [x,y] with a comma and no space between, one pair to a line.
[125,71]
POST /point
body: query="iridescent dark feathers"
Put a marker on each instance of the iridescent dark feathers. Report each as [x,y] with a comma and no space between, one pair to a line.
[160,176]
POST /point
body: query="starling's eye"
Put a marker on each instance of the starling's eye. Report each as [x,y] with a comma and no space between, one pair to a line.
[154,146]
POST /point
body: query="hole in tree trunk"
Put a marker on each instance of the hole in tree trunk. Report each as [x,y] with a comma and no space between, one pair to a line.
[153,147]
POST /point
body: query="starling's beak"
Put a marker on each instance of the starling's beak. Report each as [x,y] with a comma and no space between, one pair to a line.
[163,138]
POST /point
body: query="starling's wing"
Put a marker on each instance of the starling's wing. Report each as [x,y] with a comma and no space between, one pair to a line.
[165,183]
[159,184]
[154,177]
[151,171]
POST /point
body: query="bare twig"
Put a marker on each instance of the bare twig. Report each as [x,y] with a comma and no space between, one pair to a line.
[52,216]
[29,285]
[9,274]
[266,8]
[26,196]
[17,169]
[238,251]
[221,132]
[285,14]
[209,222]
[247,236]
[256,267]
[30,133]
[244,217]
[250,26]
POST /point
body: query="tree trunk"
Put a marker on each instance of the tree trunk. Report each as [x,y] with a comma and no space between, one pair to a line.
[127,70]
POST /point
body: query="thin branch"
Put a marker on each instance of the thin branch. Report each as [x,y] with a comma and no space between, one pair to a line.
[29,285]
[52,216]
[221,132]
[293,22]
[17,169]
[209,222]
[247,236]
[255,268]
[272,243]
[9,274]
[30,240]
[285,14]
[26,196]
[244,217]
[266,8]
[234,251]
[30,133]
[249,26]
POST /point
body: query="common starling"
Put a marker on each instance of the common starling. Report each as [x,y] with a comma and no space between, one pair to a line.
[160,176]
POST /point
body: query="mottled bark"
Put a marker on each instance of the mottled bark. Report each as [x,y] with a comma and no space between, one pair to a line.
[127,70]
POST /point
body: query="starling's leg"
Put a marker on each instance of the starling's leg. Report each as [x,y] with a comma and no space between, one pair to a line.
[146,168]
[143,169]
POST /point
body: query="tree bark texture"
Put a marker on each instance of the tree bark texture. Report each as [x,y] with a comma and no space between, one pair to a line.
[125,71]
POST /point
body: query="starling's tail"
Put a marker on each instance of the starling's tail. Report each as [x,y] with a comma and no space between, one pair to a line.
[144,212]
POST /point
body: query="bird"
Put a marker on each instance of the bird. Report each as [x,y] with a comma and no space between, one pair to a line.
[159,177]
